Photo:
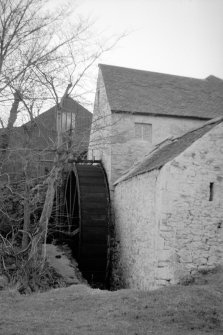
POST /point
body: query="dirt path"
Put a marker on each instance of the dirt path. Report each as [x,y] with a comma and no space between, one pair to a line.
[80,310]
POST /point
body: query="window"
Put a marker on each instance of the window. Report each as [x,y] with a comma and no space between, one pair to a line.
[46,171]
[67,121]
[98,97]
[211,191]
[143,131]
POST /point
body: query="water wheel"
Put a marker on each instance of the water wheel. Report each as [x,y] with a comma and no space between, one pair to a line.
[87,211]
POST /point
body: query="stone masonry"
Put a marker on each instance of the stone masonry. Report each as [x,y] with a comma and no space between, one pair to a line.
[170,221]
[140,209]
[113,139]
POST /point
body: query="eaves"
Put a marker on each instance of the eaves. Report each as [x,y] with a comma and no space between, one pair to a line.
[160,114]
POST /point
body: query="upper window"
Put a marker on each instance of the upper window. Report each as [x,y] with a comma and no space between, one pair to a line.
[143,131]
[67,121]
[98,97]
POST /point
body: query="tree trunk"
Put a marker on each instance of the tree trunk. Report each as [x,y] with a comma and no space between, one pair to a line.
[5,140]
[40,238]
[38,249]
[26,217]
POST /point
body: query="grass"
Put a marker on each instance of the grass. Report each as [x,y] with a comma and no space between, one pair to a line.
[193,309]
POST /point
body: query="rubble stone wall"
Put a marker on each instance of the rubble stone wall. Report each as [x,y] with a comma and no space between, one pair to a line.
[169,222]
[191,215]
[127,150]
[136,231]
[113,138]
[100,137]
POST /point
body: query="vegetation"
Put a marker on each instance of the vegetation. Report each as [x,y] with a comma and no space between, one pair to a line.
[194,309]
[45,56]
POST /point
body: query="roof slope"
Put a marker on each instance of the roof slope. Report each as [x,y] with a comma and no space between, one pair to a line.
[139,91]
[48,118]
[44,127]
[163,153]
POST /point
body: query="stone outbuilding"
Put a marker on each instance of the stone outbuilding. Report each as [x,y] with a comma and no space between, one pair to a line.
[169,210]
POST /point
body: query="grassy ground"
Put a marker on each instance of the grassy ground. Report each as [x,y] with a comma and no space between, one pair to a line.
[78,309]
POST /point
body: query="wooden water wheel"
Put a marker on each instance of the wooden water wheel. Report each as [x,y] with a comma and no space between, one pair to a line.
[87,207]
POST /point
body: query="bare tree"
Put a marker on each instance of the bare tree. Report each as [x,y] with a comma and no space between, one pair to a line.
[43,59]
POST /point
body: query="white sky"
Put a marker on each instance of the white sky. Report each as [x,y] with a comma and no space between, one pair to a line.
[183,37]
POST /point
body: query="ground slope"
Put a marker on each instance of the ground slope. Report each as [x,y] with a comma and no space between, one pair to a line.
[193,309]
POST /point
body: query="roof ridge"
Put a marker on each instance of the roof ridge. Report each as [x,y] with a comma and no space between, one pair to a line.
[212,77]
[147,92]
[148,71]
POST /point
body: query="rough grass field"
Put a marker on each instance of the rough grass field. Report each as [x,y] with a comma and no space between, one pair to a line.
[193,309]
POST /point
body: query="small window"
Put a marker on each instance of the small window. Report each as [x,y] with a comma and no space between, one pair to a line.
[98,96]
[143,131]
[67,121]
[211,192]
[46,171]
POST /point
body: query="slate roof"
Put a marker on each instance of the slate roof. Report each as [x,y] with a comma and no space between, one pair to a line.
[47,119]
[168,150]
[136,91]
[44,128]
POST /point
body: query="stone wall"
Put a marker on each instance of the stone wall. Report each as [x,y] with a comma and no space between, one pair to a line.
[100,137]
[127,150]
[113,134]
[136,231]
[113,141]
[168,223]
[191,218]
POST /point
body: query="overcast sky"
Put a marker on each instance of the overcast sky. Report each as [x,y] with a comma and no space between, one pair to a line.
[183,37]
